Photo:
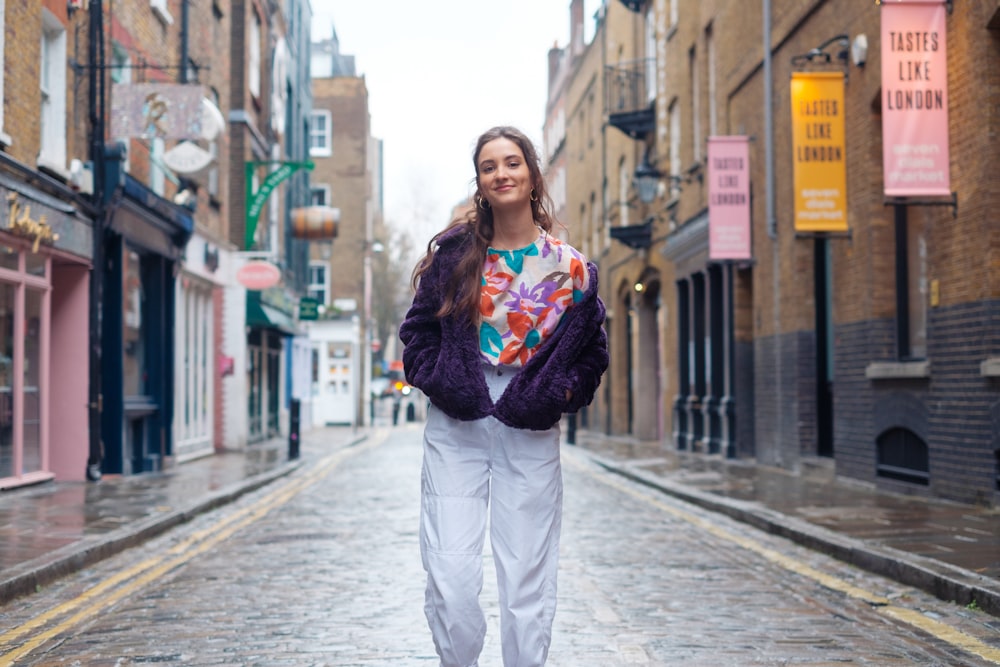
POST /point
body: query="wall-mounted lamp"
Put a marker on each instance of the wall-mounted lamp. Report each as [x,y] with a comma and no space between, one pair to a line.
[859,50]
[646,180]
[820,53]
[639,287]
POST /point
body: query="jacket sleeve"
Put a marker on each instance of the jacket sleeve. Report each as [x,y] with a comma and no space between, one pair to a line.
[590,365]
[420,331]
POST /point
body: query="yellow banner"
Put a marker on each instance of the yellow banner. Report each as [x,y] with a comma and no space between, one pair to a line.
[819,154]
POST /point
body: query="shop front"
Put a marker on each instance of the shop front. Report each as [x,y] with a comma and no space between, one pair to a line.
[143,244]
[45,251]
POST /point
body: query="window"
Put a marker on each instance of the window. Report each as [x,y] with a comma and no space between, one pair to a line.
[213,148]
[624,178]
[121,71]
[712,111]
[650,54]
[319,195]
[319,281]
[52,78]
[695,105]
[253,57]
[157,174]
[675,149]
[321,134]
[134,309]
[903,455]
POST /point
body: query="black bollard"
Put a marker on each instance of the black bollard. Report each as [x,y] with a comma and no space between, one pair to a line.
[293,429]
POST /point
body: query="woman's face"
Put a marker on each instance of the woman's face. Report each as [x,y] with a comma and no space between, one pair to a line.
[504,177]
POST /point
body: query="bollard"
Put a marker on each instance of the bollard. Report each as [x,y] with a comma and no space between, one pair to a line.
[411,412]
[293,429]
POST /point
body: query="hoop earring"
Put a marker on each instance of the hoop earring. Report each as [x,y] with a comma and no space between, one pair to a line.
[533,196]
[481,202]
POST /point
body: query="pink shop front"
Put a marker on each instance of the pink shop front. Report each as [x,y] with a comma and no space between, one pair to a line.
[45,249]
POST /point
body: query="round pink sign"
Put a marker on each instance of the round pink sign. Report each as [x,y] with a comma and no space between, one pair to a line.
[258,275]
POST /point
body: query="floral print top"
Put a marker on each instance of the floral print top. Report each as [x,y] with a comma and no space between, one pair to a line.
[524,296]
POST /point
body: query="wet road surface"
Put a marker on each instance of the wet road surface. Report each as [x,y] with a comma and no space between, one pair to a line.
[323,568]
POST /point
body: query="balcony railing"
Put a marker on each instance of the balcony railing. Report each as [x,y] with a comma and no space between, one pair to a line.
[629,103]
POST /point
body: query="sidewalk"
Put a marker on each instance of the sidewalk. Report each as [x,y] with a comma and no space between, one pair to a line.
[52,529]
[948,549]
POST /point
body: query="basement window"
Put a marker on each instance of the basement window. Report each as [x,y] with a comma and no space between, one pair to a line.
[902,455]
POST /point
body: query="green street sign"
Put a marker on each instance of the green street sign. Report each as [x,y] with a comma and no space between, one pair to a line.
[255,200]
[308,308]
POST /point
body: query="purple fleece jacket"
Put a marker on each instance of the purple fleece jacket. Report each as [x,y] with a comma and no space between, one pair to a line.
[441,357]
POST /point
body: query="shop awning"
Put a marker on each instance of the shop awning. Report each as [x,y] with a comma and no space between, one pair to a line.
[263,316]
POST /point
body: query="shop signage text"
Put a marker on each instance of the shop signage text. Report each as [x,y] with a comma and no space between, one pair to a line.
[20,223]
[819,166]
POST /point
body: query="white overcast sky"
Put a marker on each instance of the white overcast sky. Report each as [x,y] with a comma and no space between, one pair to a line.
[439,73]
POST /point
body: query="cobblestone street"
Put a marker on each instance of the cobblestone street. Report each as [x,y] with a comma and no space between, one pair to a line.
[323,568]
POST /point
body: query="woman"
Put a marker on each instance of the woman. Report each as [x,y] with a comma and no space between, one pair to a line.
[504,336]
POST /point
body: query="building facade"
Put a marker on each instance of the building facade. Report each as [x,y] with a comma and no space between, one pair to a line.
[269,166]
[346,177]
[46,248]
[868,348]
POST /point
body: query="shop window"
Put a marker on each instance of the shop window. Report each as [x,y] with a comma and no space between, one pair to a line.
[902,455]
[31,422]
[7,299]
[134,320]
[9,258]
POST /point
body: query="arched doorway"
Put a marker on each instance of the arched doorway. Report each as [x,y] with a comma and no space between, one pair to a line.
[646,385]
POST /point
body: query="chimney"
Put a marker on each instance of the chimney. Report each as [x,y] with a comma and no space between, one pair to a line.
[555,57]
[576,27]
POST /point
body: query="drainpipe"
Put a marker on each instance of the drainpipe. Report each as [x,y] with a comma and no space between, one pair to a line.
[772,225]
[185,19]
[772,229]
[95,70]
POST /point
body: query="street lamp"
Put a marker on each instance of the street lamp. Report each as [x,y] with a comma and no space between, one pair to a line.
[646,180]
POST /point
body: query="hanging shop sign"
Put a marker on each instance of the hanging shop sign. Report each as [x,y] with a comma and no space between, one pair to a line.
[819,154]
[729,198]
[315,222]
[157,110]
[255,198]
[187,158]
[915,98]
[258,275]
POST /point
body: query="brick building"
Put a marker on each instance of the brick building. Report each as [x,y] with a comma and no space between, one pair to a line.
[347,177]
[873,350]
[46,245]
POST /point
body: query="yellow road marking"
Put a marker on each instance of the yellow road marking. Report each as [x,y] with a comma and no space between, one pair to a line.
[130,580]
[936,629]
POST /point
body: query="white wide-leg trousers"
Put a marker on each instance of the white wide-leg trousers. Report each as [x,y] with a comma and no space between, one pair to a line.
[472,470]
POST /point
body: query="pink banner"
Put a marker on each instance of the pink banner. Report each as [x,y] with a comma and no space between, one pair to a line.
[915,98]
[729,198]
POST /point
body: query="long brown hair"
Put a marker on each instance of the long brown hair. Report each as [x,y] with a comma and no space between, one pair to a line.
[462,289]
